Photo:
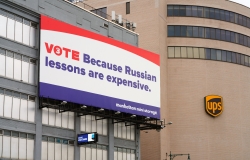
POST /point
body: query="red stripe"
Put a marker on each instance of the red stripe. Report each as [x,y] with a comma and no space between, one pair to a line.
[55,25]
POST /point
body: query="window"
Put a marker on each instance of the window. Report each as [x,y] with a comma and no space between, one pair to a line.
[124,130]
[177,31]
[57,148]
[213,54]
[16,66]
[171,52]
[17,106]
[201,32]
[227,16]
[93,152]
[194,11]
[171,31]
[124,154]
[189,31]
[18,29]
[176,10]
[200,11]
[183,31]
[52,117]
[188,11]
[16,145]
[218,34]
[170,10]
[195,31]
[94,124]
[182,10]
[212,13]
[203,53]
[217,14]
[232,17]
[222,15]
[127,7]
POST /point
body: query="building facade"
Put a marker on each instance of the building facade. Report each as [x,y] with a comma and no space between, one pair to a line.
[30,132]
[204,50]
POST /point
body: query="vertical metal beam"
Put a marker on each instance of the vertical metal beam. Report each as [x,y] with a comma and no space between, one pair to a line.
[111,140]
[38,137]
[77,131]
[137,143]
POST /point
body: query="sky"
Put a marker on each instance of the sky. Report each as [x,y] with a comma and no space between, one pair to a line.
[243,2]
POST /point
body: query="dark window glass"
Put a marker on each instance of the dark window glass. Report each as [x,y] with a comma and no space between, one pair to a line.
[170,10]
[236,18]
[246,60]
[207,32]
[10,15]
[15,94]
[58,140]
[176,10]
[2,51]
[51,139]
[24,96]
[24,135]
[177,31]
[27,22]
[232,17]
[127,7]
[227,16]
[183,31]
[171,31]
[224,56]
[242,59]
[15,134]
[9,93]
[244,21]
[19,19]
[218,55]
[201,32]
[182,10]
[7,133]
[241,39]
[212,30]
[200,11]
[229,59]
[218,34]
[217,13]
[238,58]
[1,91]
[194,11]
[237,38]
[211,11]
[189,31]
[248,41]
[245,40]
[2,12]
[232,37]
[195,31]
[208,55]
[213,54]
[240,20]
[222,15]
[223,35]
[248,22]
[188,11]
[44,138]
[206,12]
[228,36]
[31,136]
[65,141]
[233,57]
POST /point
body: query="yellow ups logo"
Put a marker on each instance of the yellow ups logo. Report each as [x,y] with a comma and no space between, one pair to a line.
[214,105]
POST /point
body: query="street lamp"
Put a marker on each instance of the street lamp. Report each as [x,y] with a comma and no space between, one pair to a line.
[172,156]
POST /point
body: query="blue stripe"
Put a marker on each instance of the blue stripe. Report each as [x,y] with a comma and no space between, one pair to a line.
[96,100]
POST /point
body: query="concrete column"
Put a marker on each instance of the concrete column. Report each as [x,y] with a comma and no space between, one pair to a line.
[77,131]
[111,140]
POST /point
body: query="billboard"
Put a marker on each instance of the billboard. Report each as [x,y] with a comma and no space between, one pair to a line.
[83,67]
[87,138]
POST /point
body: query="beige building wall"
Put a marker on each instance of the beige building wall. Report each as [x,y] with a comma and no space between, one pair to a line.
[185,83]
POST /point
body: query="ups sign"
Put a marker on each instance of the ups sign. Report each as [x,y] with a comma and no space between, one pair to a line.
[213,105]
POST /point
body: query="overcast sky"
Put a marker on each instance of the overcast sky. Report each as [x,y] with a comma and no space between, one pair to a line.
[243,2]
